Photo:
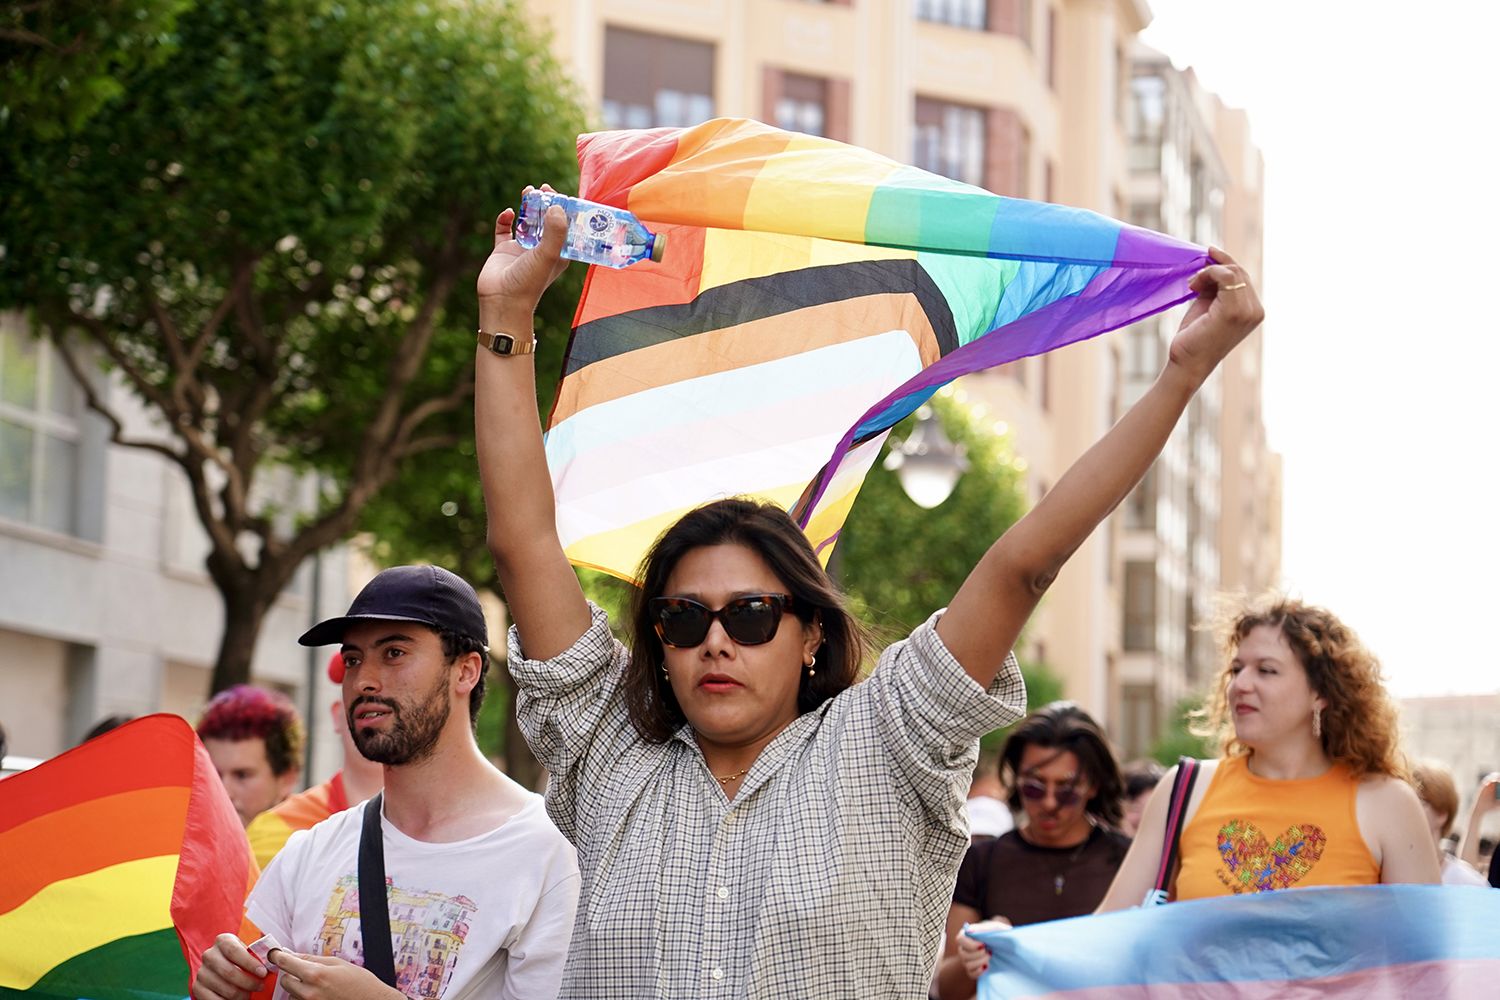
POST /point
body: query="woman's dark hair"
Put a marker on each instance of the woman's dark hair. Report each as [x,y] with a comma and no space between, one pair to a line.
[1062,726]
[770,533]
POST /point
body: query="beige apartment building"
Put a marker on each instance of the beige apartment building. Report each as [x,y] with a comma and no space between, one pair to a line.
[1029,98]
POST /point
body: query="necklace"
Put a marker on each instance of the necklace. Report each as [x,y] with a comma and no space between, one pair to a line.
[726,779]
[1060,877]
[1060,872]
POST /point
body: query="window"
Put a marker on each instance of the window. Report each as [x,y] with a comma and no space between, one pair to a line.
[958,13]
[1143,351]
[802,105]
[949,139]
[39,407]
[1140,606]
[1140,506]
[654,80]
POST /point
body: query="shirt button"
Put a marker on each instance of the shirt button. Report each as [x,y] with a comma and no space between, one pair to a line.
[723,893]
[718,973]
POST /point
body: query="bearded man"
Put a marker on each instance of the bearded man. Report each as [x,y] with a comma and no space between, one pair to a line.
[481,888]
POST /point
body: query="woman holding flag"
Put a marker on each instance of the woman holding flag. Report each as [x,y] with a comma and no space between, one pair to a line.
[750,821]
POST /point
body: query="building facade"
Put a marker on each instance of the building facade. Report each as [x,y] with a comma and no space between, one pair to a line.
[105,605]
[1206,520]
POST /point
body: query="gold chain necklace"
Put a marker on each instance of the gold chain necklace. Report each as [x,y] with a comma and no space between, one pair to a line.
[726,779]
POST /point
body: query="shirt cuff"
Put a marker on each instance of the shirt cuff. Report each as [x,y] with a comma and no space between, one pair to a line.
[575,665]
[969,710]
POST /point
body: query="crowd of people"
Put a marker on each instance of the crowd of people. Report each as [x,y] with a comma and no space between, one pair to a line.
[736,804]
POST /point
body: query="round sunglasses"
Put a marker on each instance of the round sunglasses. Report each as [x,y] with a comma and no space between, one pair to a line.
[750,620]
[1036,790]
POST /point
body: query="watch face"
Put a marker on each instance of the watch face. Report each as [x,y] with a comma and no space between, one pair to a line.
[505,344]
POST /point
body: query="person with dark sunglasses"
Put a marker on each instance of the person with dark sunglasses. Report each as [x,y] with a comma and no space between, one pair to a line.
[750,821]
[1063,778]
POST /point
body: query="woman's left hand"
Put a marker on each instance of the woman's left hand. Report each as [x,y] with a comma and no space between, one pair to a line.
[321,977]
[1224,313]
[976,954]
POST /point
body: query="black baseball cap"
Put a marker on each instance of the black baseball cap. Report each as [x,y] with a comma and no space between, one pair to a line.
[428,595]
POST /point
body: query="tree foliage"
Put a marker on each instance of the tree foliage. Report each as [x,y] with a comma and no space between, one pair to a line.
[62,60]
[269,236]
[901,563]
[1177,740]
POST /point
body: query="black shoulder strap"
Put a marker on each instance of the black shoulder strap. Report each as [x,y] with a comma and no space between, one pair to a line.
[374,906]
[1182,792]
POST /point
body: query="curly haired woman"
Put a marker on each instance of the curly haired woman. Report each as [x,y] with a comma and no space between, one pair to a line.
[1309,788]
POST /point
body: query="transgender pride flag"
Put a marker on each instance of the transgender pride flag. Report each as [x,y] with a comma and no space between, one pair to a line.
[1367,942]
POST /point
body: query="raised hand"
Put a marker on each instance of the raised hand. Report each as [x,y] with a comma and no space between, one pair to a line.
[513,278]
[1224,313]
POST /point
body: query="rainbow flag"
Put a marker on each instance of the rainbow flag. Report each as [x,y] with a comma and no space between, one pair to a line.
[812,294]
[120,862]
[1357,942]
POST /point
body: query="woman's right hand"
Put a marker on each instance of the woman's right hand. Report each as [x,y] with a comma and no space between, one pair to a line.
[513,278]
[1484,801]
[975,954]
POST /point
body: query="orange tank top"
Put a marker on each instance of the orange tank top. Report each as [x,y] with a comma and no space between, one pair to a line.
[1255,834]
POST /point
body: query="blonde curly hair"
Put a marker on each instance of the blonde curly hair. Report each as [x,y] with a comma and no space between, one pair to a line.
[1360,721]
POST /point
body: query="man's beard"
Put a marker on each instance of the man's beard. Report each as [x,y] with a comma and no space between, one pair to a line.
[414,730]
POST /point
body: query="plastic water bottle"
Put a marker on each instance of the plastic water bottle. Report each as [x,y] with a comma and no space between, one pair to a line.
[597,234]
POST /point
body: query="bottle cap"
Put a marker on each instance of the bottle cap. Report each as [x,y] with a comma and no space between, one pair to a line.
[658,247]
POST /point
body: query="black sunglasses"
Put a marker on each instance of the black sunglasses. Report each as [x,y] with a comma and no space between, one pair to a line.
[750,620]
[1036,790]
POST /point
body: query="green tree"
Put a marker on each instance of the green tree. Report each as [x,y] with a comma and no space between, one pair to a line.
[62,60]
[268,237]
[901,563]
[1177,740]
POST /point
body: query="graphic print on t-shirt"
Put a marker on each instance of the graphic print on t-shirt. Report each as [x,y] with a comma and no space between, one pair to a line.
[1251,864]
[427,931]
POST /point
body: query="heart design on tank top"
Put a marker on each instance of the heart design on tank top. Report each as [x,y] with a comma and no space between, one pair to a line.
[1253,864]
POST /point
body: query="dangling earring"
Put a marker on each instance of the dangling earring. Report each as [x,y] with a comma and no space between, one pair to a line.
[813,662]
[1318,722]
[664,671]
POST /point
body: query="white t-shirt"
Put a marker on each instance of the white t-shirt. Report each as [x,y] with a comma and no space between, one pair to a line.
[490,916]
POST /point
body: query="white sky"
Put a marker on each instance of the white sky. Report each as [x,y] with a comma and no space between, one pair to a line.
[1380,123]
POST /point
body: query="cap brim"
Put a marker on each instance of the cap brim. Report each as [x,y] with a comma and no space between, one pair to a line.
[331,632]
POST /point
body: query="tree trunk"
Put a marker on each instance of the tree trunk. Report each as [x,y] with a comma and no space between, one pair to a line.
[243,617]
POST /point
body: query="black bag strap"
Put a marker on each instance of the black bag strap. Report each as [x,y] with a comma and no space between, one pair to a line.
[374,904]
[1182,792]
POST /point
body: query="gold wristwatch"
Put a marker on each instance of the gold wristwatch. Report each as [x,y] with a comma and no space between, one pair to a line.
[506,344]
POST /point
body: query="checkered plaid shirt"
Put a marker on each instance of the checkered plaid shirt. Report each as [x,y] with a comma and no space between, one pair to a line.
[828,875]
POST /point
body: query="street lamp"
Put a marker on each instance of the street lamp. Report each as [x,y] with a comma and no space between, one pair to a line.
[927,463]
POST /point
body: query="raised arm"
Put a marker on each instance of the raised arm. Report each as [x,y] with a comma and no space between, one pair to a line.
[1484,801]
[985,618]
[541,592]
